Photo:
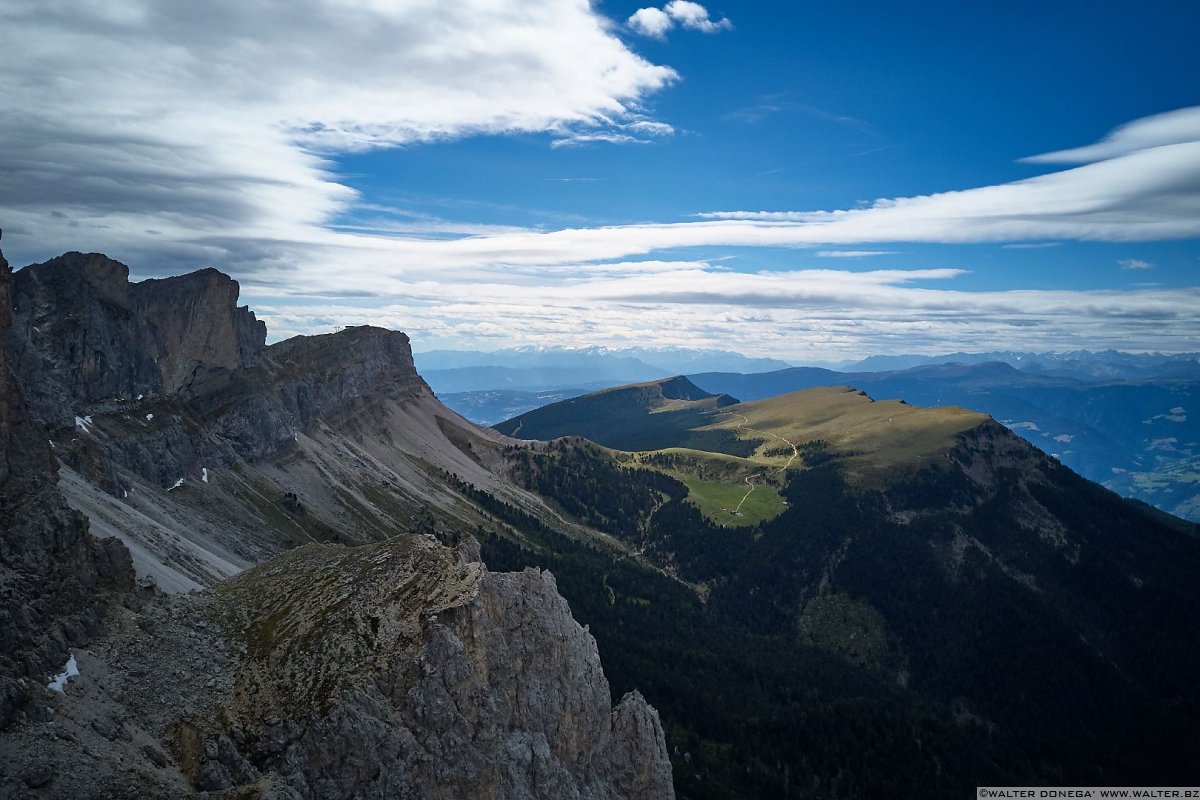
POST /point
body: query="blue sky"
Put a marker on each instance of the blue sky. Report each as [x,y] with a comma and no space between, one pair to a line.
[809,181]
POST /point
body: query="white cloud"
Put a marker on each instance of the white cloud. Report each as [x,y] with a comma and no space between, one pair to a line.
[650,128]
[633,132]
[652,22]
[1144,195]
[1135,263]
[607,137]
[173,135]
[695,16]
[208,122]
[790,313]
[187,137]
[853,253]
[655,22]
[1173,127]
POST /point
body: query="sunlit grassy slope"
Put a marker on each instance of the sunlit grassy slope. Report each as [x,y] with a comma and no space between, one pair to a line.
[875,439]
[873,436]
[717,501]
[714,445]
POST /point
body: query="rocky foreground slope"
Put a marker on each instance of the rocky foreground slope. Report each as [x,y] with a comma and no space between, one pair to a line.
[402,668]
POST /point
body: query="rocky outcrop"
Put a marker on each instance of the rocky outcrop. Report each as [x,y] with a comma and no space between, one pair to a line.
[86,340]
[336,376]
[402,669]
[450,682]
[250,414]
[159,385]
[55,579]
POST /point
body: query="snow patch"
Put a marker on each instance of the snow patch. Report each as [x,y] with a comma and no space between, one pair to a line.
[140,396]
[175,485]
[149,417]
[84,423]
[204,474]
[70,670]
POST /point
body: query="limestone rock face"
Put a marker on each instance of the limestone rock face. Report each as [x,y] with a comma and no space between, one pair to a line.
[337,375]
[74,341]
[402,669]
[161,385]
[171,376]
[55,579]
[84,338]
[397,669]
[452,682]
[196,329]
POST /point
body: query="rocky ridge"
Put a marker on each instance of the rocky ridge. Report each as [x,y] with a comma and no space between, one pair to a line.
[402,668]
[171,417]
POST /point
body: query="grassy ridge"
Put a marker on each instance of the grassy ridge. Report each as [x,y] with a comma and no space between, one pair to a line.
[876,437]
[713,444]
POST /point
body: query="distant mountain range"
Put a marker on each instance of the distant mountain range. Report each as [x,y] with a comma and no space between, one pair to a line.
[1078,364]
[557,367]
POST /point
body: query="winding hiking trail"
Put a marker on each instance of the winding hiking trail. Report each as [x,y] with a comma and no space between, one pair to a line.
[744,425]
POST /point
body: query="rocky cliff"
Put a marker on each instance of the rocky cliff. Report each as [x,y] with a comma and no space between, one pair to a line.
[163,378]
[84,338]
[195,330]
[460,682]
[398,669]
[55,579]
[206,451]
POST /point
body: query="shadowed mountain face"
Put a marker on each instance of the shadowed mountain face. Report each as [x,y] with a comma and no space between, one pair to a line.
[55,579]
[83,334]
[205,451]
[330,670]
[641,416]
